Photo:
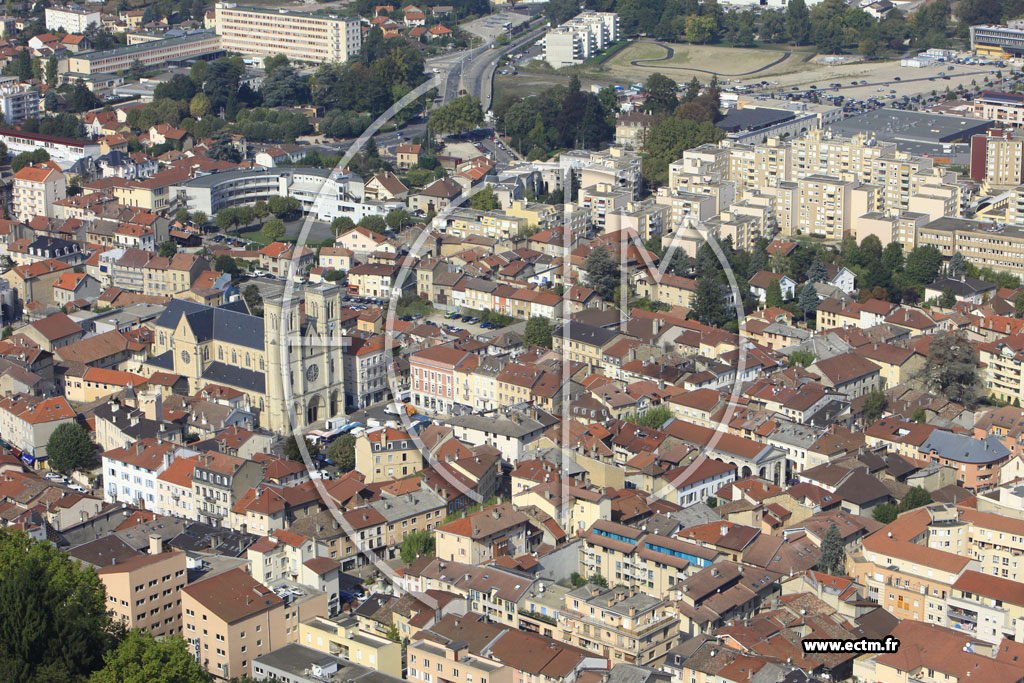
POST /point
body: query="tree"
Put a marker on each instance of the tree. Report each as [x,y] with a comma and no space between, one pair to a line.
[892,257]
[69,447]
[773,294]
[417,544]
[225,264]
[957,266]
[915,498]
[291,449]
[804,359]
[284,87]
[485,200]
[576,580]
[602,272]
[700,29]
[24,159]
[875,404]
[653,418]
[661,94]
[141,658]
[342,452]
[397,218]
[798,22]
[199,106]
[273,229]
[458,116]
[374,224]
[808,301]
[199,218]
[948,298]
[885,513]
[669,138]
[340,226]
[282,206]
[598,580]
[168,248]
[833,554]
[923,264]
[271,63]
[817,272]
[538,332]
[951,368]
[709,305]
[52,71]
[393,633]
[54,624]
[253,299]
[1018,305]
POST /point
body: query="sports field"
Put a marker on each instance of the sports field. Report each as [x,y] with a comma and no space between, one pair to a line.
[682,62]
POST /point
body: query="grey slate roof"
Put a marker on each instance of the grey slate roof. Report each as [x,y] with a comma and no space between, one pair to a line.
[222,324]
[588,334]
[963,448]
[221,373]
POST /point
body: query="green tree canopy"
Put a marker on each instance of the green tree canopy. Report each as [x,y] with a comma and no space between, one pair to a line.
[141,658]
[342,452]
[458,116]
[417,544]
[709,304]
[273,229]
[602,272]
[951,367]
[374,224]
[538,332]
[69,447]
[168,248]
[54,624]
[773,294]
[833,555]
[485,200]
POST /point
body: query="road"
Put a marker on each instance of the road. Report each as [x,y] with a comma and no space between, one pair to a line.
[474,69]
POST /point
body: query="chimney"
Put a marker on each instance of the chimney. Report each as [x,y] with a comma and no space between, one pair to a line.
[725,530]
[156,544]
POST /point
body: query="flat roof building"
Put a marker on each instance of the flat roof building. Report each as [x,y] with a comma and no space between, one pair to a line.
[152,53]
[300,36]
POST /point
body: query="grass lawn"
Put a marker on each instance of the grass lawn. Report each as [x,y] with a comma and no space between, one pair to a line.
[725,61]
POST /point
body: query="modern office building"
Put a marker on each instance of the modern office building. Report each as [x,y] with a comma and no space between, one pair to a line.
[153,53]
[1001,107]
[999,41]
[300,36]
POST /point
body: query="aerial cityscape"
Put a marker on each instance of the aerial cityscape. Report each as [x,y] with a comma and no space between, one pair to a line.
[615,341]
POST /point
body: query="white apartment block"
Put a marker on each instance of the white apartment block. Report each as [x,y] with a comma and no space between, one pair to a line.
[18,101]
[36,188]
[300,36]
[580,38]
[71,19]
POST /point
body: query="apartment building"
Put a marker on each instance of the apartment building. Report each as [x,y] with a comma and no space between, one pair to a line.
[484,535]
[997,158]
[26,423]
[988,607]
[341,637]
[144,592]
[130,473]
[218,482]
[752,167]
[818,205]
[35,190]
[620,624]
[71,19]
[229,619]
[983,243]
[365,372]
[18,101]
[300,36]
[893,174]
[502,225]
[822,153]
[628,556]
[432,372]
[386,453]
[580,38]
[908,580]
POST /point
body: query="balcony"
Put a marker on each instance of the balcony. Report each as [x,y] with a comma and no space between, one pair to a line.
[959,614]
